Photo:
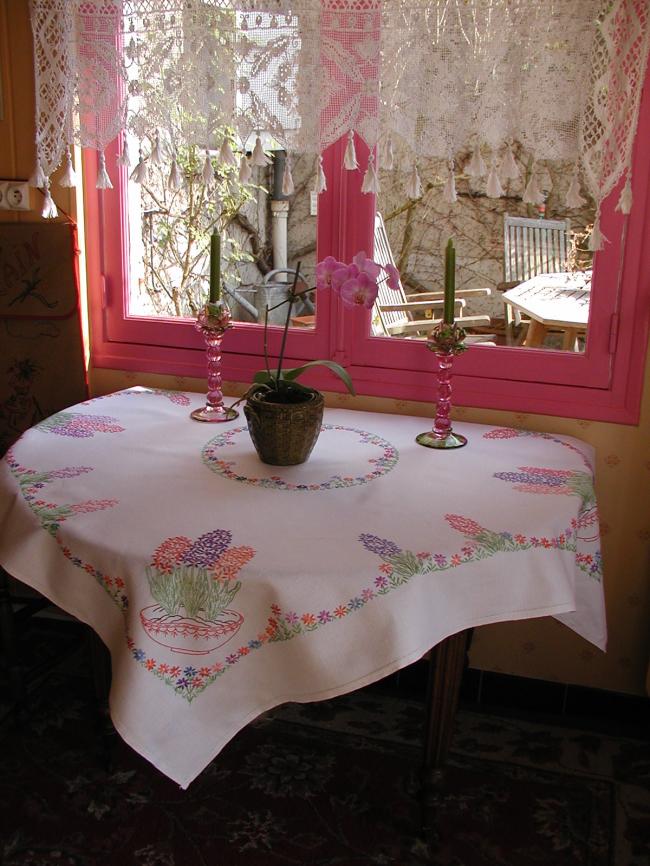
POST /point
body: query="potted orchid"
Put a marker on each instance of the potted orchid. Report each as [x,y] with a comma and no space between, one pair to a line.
[284,416]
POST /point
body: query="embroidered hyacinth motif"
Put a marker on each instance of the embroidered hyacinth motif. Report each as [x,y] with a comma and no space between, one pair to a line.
[560,482]
[563,482]
[51,515]
[176,397]
[197,577]
[193,583]
[79,426]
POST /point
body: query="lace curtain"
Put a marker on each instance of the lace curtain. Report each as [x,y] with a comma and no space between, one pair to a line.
[441,78]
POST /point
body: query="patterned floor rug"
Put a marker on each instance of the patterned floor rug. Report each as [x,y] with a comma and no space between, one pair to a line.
[326,784]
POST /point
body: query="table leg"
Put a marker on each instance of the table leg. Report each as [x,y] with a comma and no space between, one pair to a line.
[570,339]
[8,639]
[535,334]
[447,662]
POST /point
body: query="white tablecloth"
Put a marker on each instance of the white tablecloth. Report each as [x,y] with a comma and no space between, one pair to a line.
[224,587]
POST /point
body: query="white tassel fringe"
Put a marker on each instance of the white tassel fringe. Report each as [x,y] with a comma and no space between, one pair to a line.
[156,157]
[597,239]
[509,167]
[245,171]
[103,180]
[49,211]
[389,157]
[69,178]
[174,181]
[350,159]
[494,188]
[414,185]
[124,158]
[370,182]
[449,192]
[321,180]
[208,170]
[259,157]
[38,178]
[226,154]
[140,172]
[532,193]
[573,197]
[476,166]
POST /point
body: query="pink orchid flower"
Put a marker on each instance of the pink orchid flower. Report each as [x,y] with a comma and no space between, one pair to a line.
[325,270]
[367,266]
[359,290]
[393,277]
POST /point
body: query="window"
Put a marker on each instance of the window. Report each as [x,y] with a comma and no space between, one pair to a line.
[602,382]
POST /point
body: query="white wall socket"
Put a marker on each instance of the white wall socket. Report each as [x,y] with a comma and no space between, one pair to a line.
[14,195]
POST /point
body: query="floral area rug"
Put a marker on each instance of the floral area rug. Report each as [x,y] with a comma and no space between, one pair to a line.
[326,784]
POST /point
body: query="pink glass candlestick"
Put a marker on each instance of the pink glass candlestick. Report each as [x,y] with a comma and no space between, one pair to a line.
[446,342]
[213,321]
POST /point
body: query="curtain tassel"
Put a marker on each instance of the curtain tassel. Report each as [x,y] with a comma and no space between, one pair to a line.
[245,171]
[597,240]
[226,154]
[49,211]
[208,169]
[174,181]
[103,180]
[156,157]
[38,178]
[509,167]
[69,178]
[370,182]
[476,166]
[140,172]
[288,187]
[573,197]
[449,192]
[389,156]
[532,193]
[414,185]
[350,159]
[259,157]
[625,201]
[494,188]
[124,158]
[321,180]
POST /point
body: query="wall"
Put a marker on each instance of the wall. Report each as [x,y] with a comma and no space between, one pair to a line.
[540,648]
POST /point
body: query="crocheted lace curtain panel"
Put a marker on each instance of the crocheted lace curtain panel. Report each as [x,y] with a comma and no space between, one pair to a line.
[438,78]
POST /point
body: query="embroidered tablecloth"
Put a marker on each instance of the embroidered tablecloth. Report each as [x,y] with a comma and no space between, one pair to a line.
[223,586]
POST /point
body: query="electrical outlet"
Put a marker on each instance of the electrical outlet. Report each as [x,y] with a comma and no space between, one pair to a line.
[14,195]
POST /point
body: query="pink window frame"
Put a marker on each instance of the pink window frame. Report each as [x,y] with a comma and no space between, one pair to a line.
[605,383]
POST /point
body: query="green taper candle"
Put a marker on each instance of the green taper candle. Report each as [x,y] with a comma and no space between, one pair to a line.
[450,283]
[215,267]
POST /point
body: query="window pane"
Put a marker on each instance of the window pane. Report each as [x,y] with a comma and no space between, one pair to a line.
[263,235]
[504,247]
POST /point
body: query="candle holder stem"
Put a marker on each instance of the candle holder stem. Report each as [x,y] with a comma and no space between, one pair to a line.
[446,342]
[212,322]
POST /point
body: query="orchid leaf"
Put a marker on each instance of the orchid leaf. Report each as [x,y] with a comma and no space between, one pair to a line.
[340,371]
[263,377]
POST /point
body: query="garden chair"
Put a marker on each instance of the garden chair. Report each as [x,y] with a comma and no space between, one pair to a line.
[394,311]
[531,247]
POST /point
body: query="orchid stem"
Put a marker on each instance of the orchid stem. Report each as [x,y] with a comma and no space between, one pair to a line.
[292,298]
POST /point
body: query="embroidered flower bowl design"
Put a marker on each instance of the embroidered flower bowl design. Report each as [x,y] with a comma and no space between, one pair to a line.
[193,584]
[189,635]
